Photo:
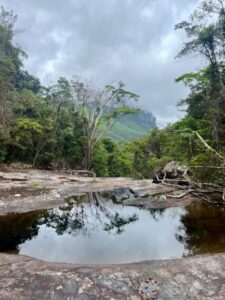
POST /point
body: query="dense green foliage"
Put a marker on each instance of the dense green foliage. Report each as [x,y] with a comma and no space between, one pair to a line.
[46,127]
[198,139]
[58,126]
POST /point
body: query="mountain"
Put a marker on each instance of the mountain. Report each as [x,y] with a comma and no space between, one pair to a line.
[133,126]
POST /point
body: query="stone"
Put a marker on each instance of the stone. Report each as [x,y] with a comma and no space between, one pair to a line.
[26,278]
[174,169]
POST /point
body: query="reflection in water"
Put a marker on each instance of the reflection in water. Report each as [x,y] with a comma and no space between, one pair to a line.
[91,229]
[15,229]
[203,226]
[83,215]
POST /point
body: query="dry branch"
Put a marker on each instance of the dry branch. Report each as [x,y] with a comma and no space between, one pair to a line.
[205,191]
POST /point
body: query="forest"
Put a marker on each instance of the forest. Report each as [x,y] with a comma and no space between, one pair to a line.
[97,201]
[64,126]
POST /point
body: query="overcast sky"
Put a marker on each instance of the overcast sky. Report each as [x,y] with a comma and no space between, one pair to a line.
[106,41]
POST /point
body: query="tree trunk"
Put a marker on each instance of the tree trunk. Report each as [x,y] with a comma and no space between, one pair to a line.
[87,155]
[38,151]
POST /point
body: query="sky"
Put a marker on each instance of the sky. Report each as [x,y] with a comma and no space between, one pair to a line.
[107,41]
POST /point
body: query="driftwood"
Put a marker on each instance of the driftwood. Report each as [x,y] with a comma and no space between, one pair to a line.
[81,173]
[174,174]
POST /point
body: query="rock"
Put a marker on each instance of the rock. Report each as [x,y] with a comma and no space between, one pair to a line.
[81,173]
[200,277]
[149,289]
[175,169]
[172,170]
[119,195]
[49,189]
[17,166]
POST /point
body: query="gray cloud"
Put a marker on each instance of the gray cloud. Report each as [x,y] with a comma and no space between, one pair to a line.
[108,40]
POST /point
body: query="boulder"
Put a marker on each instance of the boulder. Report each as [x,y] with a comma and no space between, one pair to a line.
[172,170]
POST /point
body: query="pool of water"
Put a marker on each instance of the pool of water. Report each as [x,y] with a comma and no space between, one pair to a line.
[92,229]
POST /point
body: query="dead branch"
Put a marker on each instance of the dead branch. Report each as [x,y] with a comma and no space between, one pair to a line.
[206,145]
[179,196]
[175,175]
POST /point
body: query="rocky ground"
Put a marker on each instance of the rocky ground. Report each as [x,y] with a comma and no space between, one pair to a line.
[201,277]
[27,190]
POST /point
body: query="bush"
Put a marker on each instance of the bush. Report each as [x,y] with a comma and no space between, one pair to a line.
[100,160]
[2,155]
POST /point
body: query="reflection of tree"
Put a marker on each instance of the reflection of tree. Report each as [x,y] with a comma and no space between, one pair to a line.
[17,228]
[85,215]
[116,222]
[156,213]
[203,228]
[80,215]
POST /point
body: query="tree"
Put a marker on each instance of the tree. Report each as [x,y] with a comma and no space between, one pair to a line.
[26,81]
[10,62]
[67,124]
[98,109]
[206,37]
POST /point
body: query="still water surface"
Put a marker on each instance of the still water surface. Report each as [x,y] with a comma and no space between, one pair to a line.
[95,230]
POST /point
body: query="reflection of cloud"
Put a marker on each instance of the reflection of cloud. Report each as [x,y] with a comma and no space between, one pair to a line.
[108,40]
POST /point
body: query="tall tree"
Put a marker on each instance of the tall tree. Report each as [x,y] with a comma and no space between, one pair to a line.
[98,108]
[206,37]
[10,62]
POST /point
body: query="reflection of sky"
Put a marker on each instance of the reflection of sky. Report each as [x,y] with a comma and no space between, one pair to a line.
[146,238]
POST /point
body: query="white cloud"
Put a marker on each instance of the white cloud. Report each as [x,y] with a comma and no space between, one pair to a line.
[108,40]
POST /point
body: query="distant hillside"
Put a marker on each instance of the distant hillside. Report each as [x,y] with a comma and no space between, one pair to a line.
[131,127]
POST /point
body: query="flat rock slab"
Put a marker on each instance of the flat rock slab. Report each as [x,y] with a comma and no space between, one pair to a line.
[30,190]
[160,202]
[200,277]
